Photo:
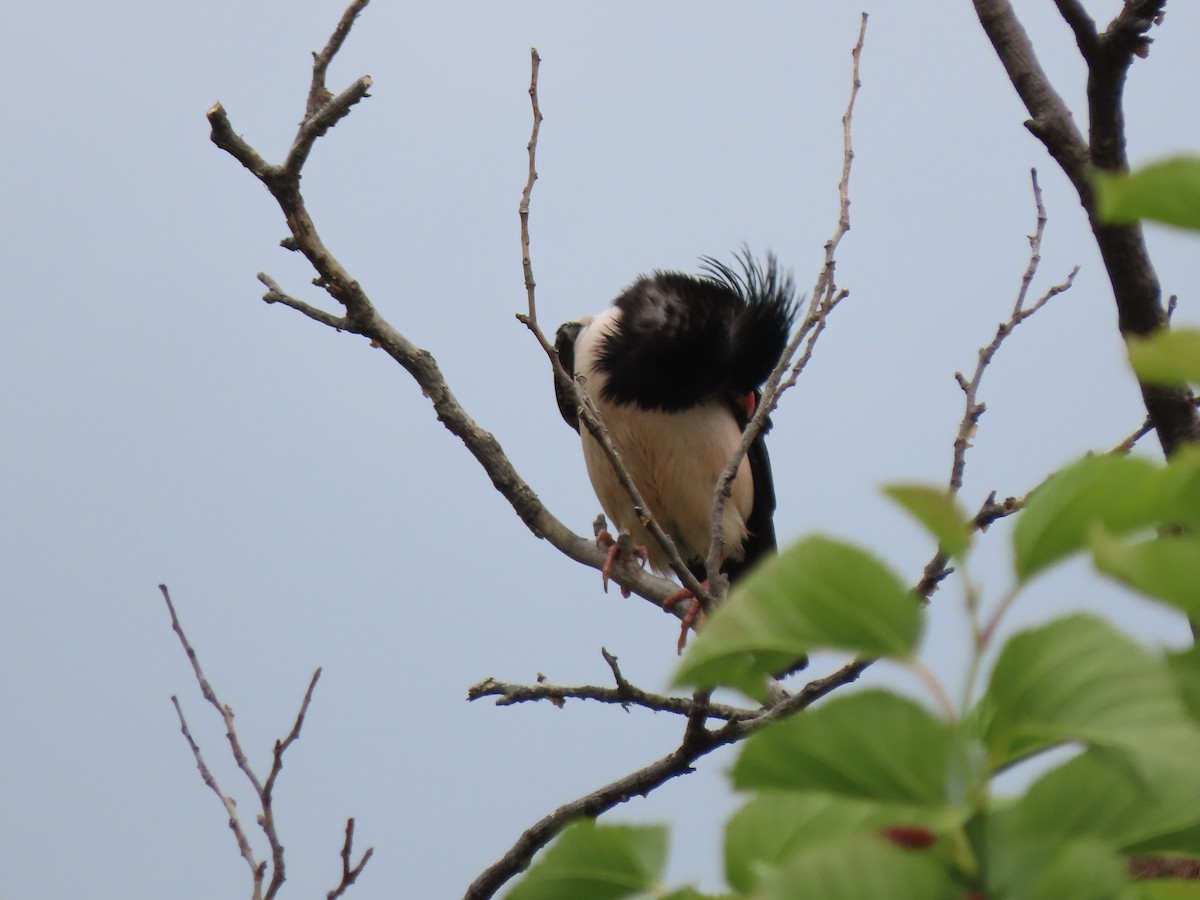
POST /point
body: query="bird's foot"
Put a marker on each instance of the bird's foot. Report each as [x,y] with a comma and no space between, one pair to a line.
[604,540]
[692,619]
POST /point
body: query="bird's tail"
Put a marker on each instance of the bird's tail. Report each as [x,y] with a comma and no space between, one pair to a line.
[767,300]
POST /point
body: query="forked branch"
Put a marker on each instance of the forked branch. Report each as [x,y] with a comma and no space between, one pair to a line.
[825,296]
[588,413]
[264,790]
[359,315]
[1108,56]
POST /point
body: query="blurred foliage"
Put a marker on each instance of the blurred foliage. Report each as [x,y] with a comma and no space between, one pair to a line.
[871,795]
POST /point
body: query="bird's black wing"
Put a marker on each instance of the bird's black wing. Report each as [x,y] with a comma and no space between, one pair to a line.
[760,541]
[564,393]
[669,348]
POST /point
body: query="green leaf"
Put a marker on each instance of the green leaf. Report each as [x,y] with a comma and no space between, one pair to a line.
[1166,357]
[1120,493]
[1166,567]
[1078,679]
[872,745]
[938,511]
[775,825]
[1167,191]
[597,862]
[858,867]
[1169,889]
[1081,870]
[818,593]
[1097,795]
[1181,488]
[1185,668]
[1046,865]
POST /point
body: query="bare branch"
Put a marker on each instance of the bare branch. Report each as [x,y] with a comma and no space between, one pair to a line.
[275,294]
[318,93]
[257,868]
[264,791]
[1129,442]
[616,670]
[349,873]
[1140,432]
[973,408]
[1135,285]
[1052,122]
[362,318]
[936,570]
[1081,24]
[625,695]
[526,263]
[1108,67]
[223,135]
[825,297]
[267,820]
[1125,36]
[318,124]
[207,691]
[589,414]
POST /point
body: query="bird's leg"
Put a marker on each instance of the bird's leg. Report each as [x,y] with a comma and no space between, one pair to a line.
[693,618]
[615,546]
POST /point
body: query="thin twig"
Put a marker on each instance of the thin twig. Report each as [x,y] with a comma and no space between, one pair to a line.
[349,873]
[938,692]
[257,868]
[276,294]
[264,791]
[625,694]
[622,683]
[535,62]
[589,413]
[267,821]
[973,408]
[1140,432]
[224,136]
[209,694]
[825,297]
[1128,443]
[936,570]
[318,93]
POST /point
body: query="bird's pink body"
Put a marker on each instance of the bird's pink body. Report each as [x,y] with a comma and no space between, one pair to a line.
[674,458]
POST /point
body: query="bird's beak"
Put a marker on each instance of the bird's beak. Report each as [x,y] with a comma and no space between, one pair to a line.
[566,335]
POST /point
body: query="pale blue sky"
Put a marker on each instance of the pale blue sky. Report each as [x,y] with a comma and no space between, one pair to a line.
[293,487]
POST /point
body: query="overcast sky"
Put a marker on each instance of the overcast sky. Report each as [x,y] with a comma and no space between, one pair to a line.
[293,487]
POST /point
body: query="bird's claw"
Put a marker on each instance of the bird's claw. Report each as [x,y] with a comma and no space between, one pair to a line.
[692,619]
[614,547]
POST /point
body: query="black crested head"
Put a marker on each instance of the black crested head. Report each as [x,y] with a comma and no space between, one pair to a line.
[684,339]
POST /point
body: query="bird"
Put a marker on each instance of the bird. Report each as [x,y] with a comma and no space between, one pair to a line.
[675,367]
